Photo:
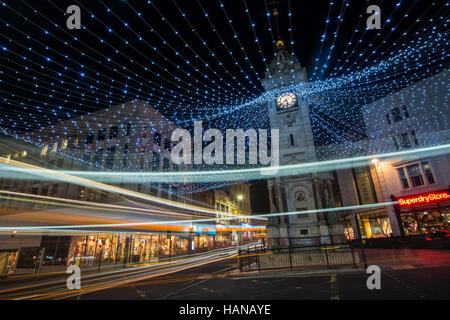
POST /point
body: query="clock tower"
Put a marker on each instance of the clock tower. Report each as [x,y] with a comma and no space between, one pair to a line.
[289,112]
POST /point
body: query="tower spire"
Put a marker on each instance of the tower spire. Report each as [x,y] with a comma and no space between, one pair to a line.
[279,44]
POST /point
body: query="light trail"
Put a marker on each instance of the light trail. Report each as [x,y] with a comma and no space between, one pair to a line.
[82,204]
[28,169]
[214,175]
[265,216]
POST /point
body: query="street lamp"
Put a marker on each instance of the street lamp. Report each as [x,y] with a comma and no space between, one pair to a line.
[240,197]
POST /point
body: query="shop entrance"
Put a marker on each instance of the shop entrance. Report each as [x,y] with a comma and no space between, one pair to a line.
[7,261]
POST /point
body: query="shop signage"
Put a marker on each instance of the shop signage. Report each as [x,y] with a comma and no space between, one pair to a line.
[206,229]
[364,185]
[246,225]
[424,199]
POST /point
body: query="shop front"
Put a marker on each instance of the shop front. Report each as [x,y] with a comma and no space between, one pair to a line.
[113,248]
[367,225]
[8,260]
[204,237]
[423,213]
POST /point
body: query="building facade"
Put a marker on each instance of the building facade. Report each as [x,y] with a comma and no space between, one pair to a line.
[413,118]
[128,137]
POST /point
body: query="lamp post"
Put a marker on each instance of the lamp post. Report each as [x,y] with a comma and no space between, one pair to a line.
[240,197]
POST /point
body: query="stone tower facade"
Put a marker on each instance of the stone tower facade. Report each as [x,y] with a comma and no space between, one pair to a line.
[289,113]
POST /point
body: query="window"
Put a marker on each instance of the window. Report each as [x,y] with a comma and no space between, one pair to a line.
[405,112]
[101,135]
[403,179]
[128,128]
[404,140]
[155,161]
[144,133]
[141,160]
[109,162]
[87,157]
[157,138]
[291,139]
[98,157]
[74,140]
[414,138]
[396,114]
[80,192]
[428,173]
[167,144]
[388,118]
[395,143]
[89,138]
[44,190]
[125,155]
[166,164]
[113,132]
[54,190]
[415,175]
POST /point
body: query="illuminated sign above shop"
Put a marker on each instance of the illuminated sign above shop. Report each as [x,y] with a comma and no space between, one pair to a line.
[201,228]
[424,199]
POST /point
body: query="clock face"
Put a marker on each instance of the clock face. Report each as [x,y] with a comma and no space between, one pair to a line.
[287,100]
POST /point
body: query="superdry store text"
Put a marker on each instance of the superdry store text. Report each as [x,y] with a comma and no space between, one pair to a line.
[423,213]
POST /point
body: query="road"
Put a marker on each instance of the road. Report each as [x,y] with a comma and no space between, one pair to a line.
[54,286]
[405,274]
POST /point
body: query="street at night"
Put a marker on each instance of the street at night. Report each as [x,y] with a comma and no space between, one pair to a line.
[406,274]
[224,158]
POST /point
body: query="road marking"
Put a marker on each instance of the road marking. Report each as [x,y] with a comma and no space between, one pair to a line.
[334,292]
[192,285]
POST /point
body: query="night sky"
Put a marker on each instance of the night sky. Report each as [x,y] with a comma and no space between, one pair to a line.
[148,50]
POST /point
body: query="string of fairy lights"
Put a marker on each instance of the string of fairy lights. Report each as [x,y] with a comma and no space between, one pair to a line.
[205,61]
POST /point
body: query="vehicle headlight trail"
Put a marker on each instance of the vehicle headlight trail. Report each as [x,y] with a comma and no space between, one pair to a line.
[181,222]
[29,171]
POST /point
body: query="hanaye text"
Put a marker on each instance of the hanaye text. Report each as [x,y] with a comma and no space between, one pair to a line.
[229,309]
